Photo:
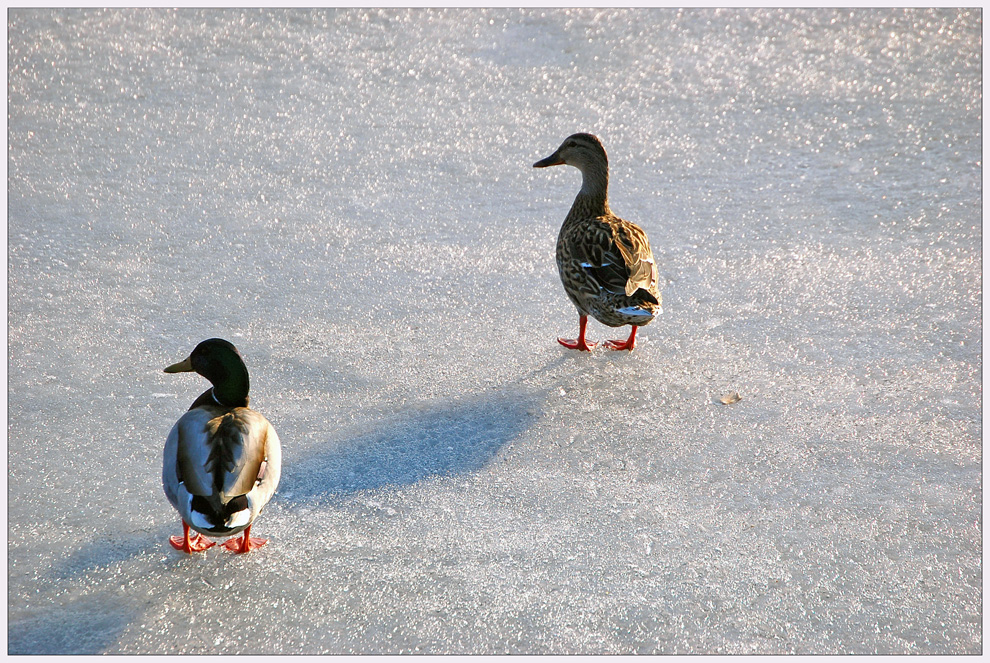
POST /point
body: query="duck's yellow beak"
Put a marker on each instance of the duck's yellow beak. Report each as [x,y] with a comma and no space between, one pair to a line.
[183,366]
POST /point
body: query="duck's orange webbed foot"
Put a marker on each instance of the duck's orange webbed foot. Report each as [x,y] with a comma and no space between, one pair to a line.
[579,343]
[576,344]
[243,544]
[627,344]
[187,544]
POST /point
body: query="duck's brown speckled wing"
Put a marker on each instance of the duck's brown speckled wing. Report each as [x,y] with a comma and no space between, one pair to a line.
[615,255]
[631,242]
[590,260]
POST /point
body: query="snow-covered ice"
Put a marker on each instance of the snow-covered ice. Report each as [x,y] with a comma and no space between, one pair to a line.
[347,195]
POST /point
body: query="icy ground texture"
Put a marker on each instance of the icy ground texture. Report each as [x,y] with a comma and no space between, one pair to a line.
[348,196]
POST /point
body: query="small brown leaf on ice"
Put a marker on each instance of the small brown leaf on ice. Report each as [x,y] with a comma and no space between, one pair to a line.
[731,398]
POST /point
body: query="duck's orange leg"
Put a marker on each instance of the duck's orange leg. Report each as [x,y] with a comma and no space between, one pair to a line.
[627,344]
[580,343]
[244,544]
[187,544]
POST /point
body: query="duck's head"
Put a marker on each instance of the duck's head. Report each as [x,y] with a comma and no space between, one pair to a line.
[221,363]
[580,150]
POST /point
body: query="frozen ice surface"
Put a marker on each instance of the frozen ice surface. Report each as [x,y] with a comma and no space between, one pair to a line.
[348,197]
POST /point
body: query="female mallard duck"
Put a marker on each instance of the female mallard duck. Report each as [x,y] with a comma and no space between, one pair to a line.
[605,263]
[222,459]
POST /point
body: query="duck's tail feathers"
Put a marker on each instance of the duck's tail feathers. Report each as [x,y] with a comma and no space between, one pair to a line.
[646,297]
[641,307]
[636,315]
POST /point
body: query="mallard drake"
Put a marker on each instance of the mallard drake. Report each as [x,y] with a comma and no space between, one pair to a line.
[222,459]
[605,262]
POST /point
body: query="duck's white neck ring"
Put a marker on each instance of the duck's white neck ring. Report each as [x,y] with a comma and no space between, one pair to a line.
[215,399]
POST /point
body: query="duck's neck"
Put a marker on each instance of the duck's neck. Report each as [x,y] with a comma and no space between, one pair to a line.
[229,397]
[211,398]
[592,199]
[230,381]
[232,391]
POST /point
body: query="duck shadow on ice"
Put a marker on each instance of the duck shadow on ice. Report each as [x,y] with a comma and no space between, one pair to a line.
[446,439]
[87,625]
[100,554]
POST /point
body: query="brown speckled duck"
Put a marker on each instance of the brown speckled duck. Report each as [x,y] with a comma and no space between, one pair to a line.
[605,262]
[222,459]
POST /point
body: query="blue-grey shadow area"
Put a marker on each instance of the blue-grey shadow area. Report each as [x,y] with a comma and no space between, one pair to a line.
[86,626]
[101,554]
[446,439]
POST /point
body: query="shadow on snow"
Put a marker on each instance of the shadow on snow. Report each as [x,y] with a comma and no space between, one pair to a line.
[86,625]
[441,440]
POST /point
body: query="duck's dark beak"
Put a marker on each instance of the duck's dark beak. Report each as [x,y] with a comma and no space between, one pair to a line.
[552,160]
[183,366]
